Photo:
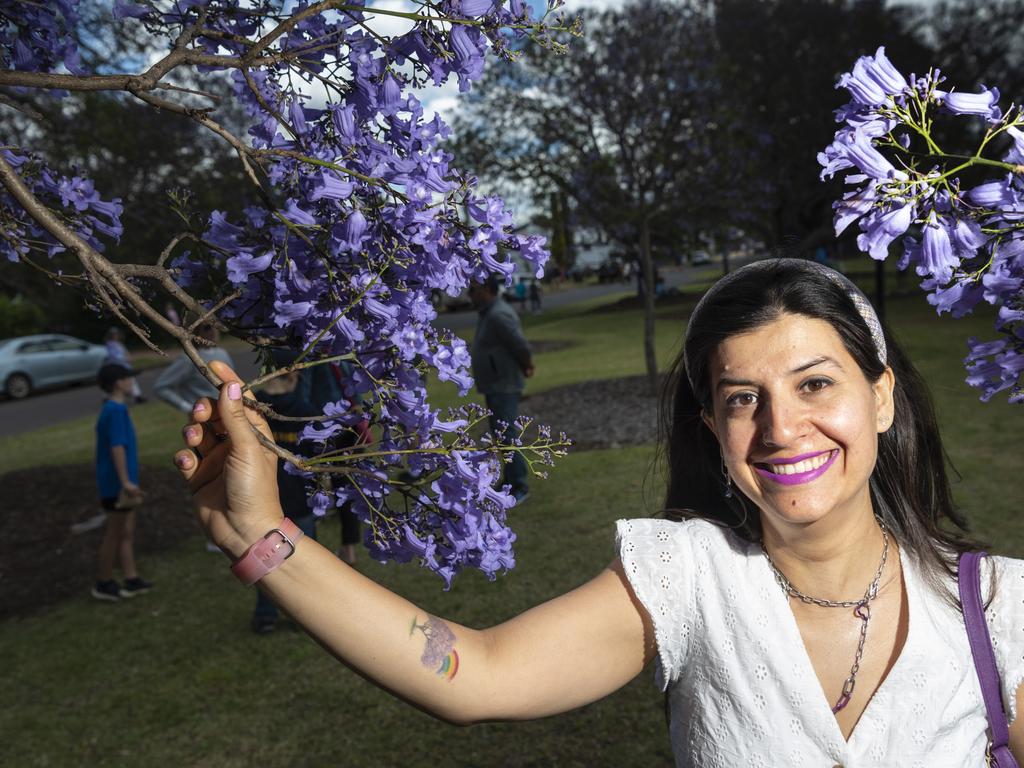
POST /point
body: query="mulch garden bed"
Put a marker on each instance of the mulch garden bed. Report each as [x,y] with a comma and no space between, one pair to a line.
[43,561]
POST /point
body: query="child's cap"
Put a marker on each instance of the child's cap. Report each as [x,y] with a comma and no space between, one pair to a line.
[111,373]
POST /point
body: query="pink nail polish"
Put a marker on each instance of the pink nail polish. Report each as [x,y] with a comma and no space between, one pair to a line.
[181,461]
[191,434]
[234,391]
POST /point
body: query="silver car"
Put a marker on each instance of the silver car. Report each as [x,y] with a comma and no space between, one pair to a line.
[28,363]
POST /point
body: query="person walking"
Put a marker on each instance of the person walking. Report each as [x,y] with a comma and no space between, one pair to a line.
[535,297]
[180,384]
[502,360]
[117,479]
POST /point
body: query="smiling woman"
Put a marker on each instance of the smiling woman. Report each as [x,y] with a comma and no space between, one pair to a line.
[804,435]
[801,605]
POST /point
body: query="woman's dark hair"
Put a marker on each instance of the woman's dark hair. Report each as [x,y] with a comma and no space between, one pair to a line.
[909,485]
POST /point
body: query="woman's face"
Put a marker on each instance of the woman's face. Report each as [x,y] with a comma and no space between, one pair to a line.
[797,420]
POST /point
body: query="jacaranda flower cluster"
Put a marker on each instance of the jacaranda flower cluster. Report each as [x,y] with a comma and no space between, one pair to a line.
[958,217]
[357,220]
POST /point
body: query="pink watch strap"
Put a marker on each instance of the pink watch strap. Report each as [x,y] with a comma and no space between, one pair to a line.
[267,553]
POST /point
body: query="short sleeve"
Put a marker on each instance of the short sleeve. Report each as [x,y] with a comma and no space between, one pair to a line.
[1005,618]
[656,559]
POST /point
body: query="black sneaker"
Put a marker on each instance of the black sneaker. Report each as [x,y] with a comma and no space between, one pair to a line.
[107,590]
[133,587]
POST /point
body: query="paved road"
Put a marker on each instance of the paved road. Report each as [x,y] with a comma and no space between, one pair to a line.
[44,409]
[59,405]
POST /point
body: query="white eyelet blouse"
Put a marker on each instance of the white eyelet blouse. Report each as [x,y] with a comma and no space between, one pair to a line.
[742,688]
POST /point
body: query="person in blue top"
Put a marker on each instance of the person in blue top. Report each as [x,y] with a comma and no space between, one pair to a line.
[117,479]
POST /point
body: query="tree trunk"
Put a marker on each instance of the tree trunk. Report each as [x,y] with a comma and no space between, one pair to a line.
[649,288]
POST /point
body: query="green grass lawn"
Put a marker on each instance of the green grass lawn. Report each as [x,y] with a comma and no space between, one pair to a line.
[176,677]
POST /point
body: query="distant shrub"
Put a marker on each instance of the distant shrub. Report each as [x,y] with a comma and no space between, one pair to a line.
[19,317]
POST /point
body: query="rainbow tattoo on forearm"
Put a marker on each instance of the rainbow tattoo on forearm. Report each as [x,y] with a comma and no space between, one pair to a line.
[439,653]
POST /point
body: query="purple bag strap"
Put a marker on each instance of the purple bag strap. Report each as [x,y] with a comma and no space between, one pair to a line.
[984,657]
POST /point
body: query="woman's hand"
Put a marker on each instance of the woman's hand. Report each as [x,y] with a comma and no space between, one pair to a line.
[232,477]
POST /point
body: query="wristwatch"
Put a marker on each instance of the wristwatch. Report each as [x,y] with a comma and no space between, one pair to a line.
[267,553]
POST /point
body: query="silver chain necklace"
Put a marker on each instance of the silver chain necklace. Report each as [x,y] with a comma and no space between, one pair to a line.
[861,610]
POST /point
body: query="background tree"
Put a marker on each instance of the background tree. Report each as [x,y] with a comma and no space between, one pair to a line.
[627,131]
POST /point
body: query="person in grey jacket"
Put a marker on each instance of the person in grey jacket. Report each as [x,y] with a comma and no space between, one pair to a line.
[501,362]
[181,383]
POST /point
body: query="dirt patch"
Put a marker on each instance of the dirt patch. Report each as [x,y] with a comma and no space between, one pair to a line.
[599,414]
[43,561]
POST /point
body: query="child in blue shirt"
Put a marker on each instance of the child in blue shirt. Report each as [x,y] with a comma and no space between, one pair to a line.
[117,479]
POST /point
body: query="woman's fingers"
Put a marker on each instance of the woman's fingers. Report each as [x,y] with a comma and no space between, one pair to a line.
[234,416]
[187,463]
[202,410]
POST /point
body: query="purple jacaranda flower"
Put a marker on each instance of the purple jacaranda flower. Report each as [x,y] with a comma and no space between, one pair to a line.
[1016,153]
[298,117]
[862,88]
[330,186]
[854,149]
[985,104]
[936,257]
[469,58]
[311,433]
[882,227]
[533,249]
[355,230]
[490,211]
[319,503]
[344,122]
[873,79]
[1002,281]
[998,374]
[473,8]
[287,312]
[868,159]
[967,237]
[245,264]
[854,204]
[994,195]
[296,215]
[390,99]
[959,298]
[871,124]
[1009,318]
[881,70]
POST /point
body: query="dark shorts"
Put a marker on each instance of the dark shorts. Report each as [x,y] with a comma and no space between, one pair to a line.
[109,503]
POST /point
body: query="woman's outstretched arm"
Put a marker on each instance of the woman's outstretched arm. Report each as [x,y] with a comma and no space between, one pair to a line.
[562,654]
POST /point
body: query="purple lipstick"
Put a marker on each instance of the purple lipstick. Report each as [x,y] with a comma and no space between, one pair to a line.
[815,469]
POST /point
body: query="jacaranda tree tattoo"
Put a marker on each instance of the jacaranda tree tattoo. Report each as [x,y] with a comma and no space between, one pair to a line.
[959,217]
[357,217]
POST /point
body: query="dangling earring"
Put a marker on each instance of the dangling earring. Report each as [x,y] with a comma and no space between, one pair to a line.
[728,480]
